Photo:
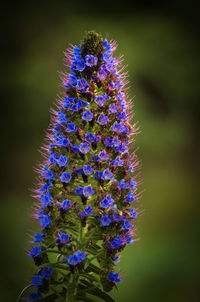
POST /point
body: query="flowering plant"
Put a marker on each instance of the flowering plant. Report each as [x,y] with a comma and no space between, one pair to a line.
[87,193]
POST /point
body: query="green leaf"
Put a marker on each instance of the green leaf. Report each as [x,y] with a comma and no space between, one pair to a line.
[98,293]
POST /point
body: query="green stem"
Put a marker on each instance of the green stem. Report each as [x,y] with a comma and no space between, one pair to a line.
[23,291]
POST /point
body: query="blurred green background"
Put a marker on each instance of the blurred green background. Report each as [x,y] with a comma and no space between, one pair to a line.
[160,46]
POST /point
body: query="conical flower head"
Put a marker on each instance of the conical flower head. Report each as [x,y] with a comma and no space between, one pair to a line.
[88,188]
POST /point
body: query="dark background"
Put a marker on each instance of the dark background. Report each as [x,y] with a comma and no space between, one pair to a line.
[160,46]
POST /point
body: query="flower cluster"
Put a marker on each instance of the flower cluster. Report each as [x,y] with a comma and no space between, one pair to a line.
[87,193]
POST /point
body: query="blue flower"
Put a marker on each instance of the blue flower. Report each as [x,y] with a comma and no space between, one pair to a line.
[82,85]
[116,243]
[78,63]
[122,115]
[133,213]
[63,238]
[95,158]
[107,174]
[118,162]
[36,280]
[116,142]
[87,115]
[71,127]
[113,108]
[90,60]
[62,161]
[108,142]
[105,220]
[45,221]
[132,184]
[75,107]
[38,237]
[89,137]
[106,202]
[88,211]
[82,104]
[35,251]
[114,277]
[79,190]
[130,197]
[107,46]
[87,191]
[102,119]
[75,148]
[98,174]
[116,217]
[102,73]
[84,148]
[66,204]
[122,184]
[103,155]
[65,177]
[46,272]
[127,225]
[87,169]
[76,51]
[76,258]
[35,296]
[61,118]
[47,174]
[46,199]
[101,99]
[72,80]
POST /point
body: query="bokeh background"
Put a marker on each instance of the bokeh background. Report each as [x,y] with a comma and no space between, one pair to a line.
[160,46]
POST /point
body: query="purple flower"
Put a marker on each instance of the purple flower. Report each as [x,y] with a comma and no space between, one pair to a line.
[101,99]
[90,60]
[82,104]
[102,73]
[122,115]
[117,217]
[62,161]
[71,127]
[133,213]
[107,174]
[66,204]
[108,142]
[88,211]
[114,277]
[78,63]
[84,148]
[87,191]
[118,162]
[87,115]
[105,220]
[87,169]
[65,177]
[36,280]
[103,119]
[103,155]
[82,85]
[113,108]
